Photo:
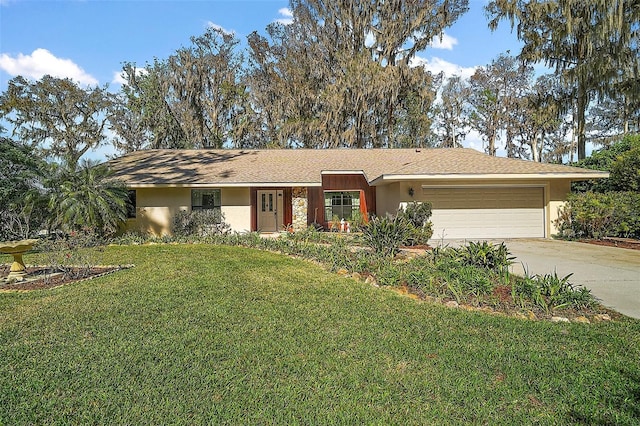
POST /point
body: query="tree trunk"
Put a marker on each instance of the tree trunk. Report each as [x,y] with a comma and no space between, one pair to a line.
[492,146]
[580,118]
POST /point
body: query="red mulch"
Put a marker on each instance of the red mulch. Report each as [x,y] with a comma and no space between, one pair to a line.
[42,278]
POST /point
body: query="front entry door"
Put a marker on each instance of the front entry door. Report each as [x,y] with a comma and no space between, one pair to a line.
[270,210]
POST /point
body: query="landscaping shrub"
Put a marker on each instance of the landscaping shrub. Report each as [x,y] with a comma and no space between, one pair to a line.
[625,171]
[357,221]
[550,292]
[485,255]
[444,275]
[598,215]
[470,280]
[526,293]
[418,215]
[74,254]
[622,159]
[386,234]
[411,226]
[199,223]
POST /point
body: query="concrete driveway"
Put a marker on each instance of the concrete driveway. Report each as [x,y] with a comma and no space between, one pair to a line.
[612,274]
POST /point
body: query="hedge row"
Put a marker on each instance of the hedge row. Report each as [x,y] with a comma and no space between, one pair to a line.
[599,215]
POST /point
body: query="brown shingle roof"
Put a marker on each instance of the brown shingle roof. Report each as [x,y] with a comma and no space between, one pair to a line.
[302,166]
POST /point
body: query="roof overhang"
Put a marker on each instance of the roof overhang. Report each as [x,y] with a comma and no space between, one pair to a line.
[135,185]
[488,177]
[344,172]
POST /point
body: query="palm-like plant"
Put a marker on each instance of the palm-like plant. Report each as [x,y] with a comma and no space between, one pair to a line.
[87,198]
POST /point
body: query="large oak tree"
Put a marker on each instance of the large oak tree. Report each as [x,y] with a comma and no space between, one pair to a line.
[593,45]
[193,99]
[56,117]
[339,74]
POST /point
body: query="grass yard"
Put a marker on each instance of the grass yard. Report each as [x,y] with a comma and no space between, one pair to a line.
[198,334]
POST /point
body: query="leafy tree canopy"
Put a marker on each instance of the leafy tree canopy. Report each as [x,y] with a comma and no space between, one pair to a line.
[56,117]
[593,45]
[87,198]
[19,171]
[621,159]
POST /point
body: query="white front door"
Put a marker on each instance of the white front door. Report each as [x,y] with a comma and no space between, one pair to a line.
[270,210]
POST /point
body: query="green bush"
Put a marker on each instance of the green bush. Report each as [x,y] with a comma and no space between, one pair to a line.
[622,159]
[446,275]
[386,234]
[474,281]
[599,215]
[418,215]
[199,223]
[625,171]
[551,291]
[357,221]
[485,255]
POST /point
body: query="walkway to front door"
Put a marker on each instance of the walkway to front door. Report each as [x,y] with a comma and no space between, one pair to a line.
[270,210]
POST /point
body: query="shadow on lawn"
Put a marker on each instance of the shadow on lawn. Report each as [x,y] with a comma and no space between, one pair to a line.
[625,403]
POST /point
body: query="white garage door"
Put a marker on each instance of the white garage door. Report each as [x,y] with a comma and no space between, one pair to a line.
[472,213]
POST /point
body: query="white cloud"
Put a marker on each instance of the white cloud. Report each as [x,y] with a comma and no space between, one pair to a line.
[436,65]
[443,42]
[473,140]
[220,28]
[118,78]
[287,16]
[285,11]
[42,62]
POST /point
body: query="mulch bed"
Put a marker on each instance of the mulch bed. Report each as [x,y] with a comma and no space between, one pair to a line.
[627,243]
[43,278]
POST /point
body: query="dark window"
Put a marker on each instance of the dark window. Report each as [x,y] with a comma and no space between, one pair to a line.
[341,204]
[206,199]
[131,204]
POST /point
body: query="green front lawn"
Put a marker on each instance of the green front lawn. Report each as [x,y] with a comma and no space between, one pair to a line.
[208,334]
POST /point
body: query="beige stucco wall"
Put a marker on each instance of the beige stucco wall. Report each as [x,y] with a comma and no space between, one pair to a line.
[388,198]
[156,208]
[558,192]
[236,208]
[395,195]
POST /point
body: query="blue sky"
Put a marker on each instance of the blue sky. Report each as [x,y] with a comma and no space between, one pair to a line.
[88,40]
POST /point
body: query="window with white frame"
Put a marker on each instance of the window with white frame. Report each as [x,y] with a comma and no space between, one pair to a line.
[341,204]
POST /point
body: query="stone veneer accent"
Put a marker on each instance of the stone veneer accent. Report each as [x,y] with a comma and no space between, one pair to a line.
[299,207]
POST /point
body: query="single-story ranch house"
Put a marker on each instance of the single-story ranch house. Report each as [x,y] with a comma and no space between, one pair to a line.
[473,195]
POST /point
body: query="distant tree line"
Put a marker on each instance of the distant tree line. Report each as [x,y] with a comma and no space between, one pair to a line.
[342,74]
